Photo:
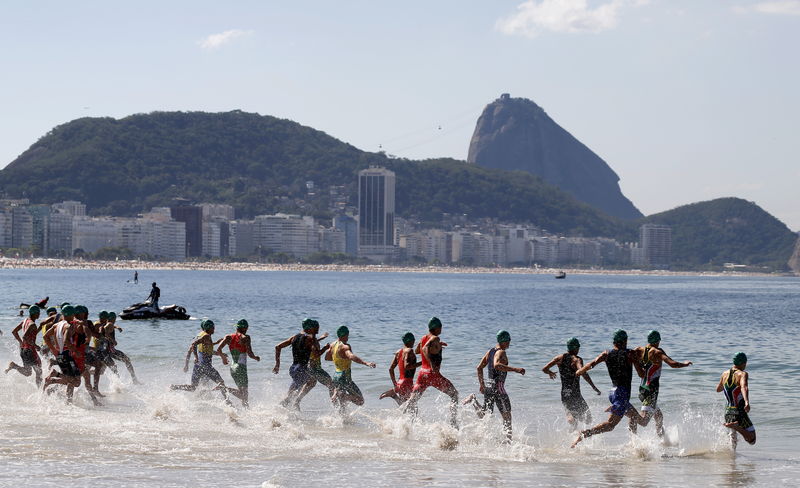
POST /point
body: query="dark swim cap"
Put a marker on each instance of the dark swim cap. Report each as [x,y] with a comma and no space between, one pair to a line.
[739,359]
[242,324]
[573,344]
[207,325]
[69,310]
[103,315]
[434,323]
[342,331]
[408,338]
[503,336]
[309,324]
[52,310]
[653,337]
[112,315]
[620,336]
[34,310]
[81,309]
[64,304]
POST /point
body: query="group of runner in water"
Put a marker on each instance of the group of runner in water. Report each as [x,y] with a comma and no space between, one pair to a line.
[82,350]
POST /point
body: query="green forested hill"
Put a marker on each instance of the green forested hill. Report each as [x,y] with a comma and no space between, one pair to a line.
[727,230]
[125,166]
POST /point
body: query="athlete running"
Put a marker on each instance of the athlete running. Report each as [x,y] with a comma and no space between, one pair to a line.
[341,353]
[430,347]
[620,361]
[240,348]
[568,363]
[733,383]
[85,357]
[651,358]
[110,332]
[494,393]
[202,347]
[27,347]
[406,363]
[318,374]
[302,382]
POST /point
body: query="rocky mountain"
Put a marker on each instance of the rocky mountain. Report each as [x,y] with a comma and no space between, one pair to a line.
[794,261]
[517,134]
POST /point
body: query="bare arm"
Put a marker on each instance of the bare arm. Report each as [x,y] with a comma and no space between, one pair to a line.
[222,343]
[546,369]
[392,366]
[721,383]
[348,353]
[745,390]
[501,363]
[633,357]
[278,354]
[192,350]
[586,376]
[15,333]
[250,349]
[479,369]
[594,362]
[671,362]
[426,352]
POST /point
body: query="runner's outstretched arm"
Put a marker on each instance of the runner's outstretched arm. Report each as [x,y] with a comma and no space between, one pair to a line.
[278,354]
[594,362]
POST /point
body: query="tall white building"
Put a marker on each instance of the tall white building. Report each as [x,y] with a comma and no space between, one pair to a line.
[91,234]
[217,210]
[71,207]
[211,239]
[241,240]
[59,234]
[290,234]
[656,240]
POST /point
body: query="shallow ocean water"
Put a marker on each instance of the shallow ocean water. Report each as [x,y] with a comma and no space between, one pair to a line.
[146,435]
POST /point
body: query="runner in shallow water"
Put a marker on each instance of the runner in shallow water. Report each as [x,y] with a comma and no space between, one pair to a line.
[568,363]
[733,383]
[620,362]
[430,347]
[494,393]
[27,346]
[110,331]
[302,344]
[240,349]
[651,358]
[345,389]
[406,363]
[202,347]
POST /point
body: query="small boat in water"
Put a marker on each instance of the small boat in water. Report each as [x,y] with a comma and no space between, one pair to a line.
[561,275]
[146,310]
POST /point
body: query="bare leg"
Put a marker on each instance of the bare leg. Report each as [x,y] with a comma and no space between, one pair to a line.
[507,424]
[606,426]
[749,436]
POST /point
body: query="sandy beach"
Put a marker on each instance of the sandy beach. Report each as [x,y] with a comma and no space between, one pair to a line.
[51,263]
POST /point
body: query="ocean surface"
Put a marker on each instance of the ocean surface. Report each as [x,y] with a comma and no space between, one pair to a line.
[147,435]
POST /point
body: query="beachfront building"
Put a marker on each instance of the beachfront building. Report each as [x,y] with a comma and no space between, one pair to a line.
[376,214]
[241,242]
[349,226]
[656,241]
[90,234]
[289,234]
[192,216]
[70,207]
[217,211]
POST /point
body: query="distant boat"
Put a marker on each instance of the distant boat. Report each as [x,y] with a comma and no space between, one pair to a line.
[561,275]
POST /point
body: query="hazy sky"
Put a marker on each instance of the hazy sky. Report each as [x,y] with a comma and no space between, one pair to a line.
[686,100]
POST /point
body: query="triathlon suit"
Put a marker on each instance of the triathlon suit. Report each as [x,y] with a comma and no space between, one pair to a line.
[427,376]
[301,354]
[495,390]
[80,342]
[734,410]
[203,368]
[571,396]
[27,350]
[63,358]
[342,378]
[620,370]
[648,389]
[316,371]
[91,356]
[405,384]
[238,360]
[101,344]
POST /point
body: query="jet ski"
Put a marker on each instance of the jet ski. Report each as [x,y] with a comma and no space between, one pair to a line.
[146,310]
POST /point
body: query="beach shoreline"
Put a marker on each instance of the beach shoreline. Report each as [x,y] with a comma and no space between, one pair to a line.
[132,265]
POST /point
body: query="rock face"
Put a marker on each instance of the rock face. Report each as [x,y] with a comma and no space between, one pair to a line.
[794,261]
[517,134]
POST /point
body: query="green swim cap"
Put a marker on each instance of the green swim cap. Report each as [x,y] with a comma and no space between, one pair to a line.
[81,309]
[620,336]
[342,331]
[573,344]
[408,338]
[434,323]
[34,310]
[103,314]
[653,337]
[503,336]
[309,324]
[739,359]
[207,325]
[63,305]
[69,310]
[51,310]
[112,315]
[242,324]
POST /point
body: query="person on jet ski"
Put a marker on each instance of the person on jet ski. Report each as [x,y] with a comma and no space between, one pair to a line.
[155,294]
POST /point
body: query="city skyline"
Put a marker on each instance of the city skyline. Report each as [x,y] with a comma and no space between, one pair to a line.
[696,96]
